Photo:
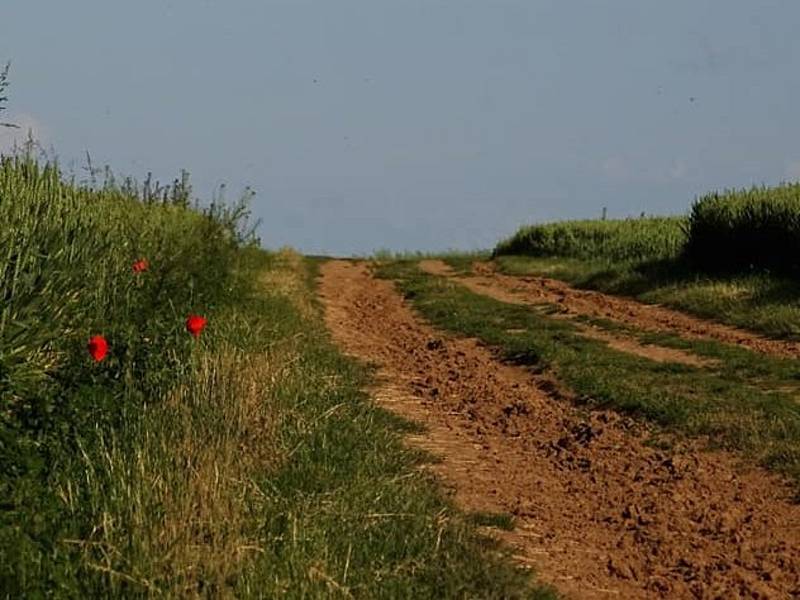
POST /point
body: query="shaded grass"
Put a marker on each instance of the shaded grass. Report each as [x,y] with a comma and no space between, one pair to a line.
[503,521]
[759,301]
[761,423]
[739,229]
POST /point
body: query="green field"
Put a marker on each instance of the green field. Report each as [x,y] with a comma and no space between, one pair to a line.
[730,260]
[755,229]
[247,461]
[639,240]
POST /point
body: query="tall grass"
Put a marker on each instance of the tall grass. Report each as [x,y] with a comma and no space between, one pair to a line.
[248,463]
[66,254]
[745,229]
[642,239]
[735,257]
[733,230]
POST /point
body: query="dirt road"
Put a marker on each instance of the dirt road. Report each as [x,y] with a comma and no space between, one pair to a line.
[599,513]
[572,301]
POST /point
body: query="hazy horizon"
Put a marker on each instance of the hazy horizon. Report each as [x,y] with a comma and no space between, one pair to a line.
[415,125]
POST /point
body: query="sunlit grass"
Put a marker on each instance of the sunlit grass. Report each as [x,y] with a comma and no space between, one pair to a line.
[761,302]
[248,462]
[642,239]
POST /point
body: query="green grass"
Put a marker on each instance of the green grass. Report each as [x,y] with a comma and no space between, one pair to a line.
[65,274]
[642,239]
[503,521]
[745,229]
[762,302]
[746,403]
[250,463]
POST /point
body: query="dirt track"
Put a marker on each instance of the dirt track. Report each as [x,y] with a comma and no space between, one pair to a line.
[648,317]
[599,514]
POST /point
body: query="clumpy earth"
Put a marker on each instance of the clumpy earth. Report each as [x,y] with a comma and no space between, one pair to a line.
[598,512]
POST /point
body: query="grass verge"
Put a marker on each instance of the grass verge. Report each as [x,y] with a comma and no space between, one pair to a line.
[759,301]
[728,402]
[266,472]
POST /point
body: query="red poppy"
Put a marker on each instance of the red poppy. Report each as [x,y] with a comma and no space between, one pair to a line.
[195,324]
[97,347]
[141,265]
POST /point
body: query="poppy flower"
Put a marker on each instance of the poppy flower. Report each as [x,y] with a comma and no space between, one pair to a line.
[195,324]
[97,347]
[141,265]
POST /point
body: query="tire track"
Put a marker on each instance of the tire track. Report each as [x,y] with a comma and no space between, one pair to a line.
[599,513]
[572,301]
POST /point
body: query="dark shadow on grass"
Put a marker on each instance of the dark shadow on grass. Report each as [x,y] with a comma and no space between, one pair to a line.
[503,521]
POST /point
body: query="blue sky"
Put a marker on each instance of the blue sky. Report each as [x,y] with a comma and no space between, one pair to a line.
[416,124]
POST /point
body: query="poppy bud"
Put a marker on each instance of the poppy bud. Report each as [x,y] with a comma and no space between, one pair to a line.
[97,347]
[195,324]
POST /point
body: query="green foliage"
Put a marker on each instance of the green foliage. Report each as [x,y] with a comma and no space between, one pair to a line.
[65,273]
[249,463]
[735,230]
[3,97]
[745,229]
[4,86]
[66,255]
[643,239]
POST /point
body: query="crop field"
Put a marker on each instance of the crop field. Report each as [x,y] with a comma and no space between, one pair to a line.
[642,239]
[730,260]
[730,231]
[757,228]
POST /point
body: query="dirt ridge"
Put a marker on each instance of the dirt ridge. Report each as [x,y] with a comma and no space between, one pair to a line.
[573,301]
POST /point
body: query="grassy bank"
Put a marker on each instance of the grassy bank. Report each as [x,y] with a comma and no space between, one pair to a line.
[732,259]
[762,302]
[66,275]
[247,462]
[742,401]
